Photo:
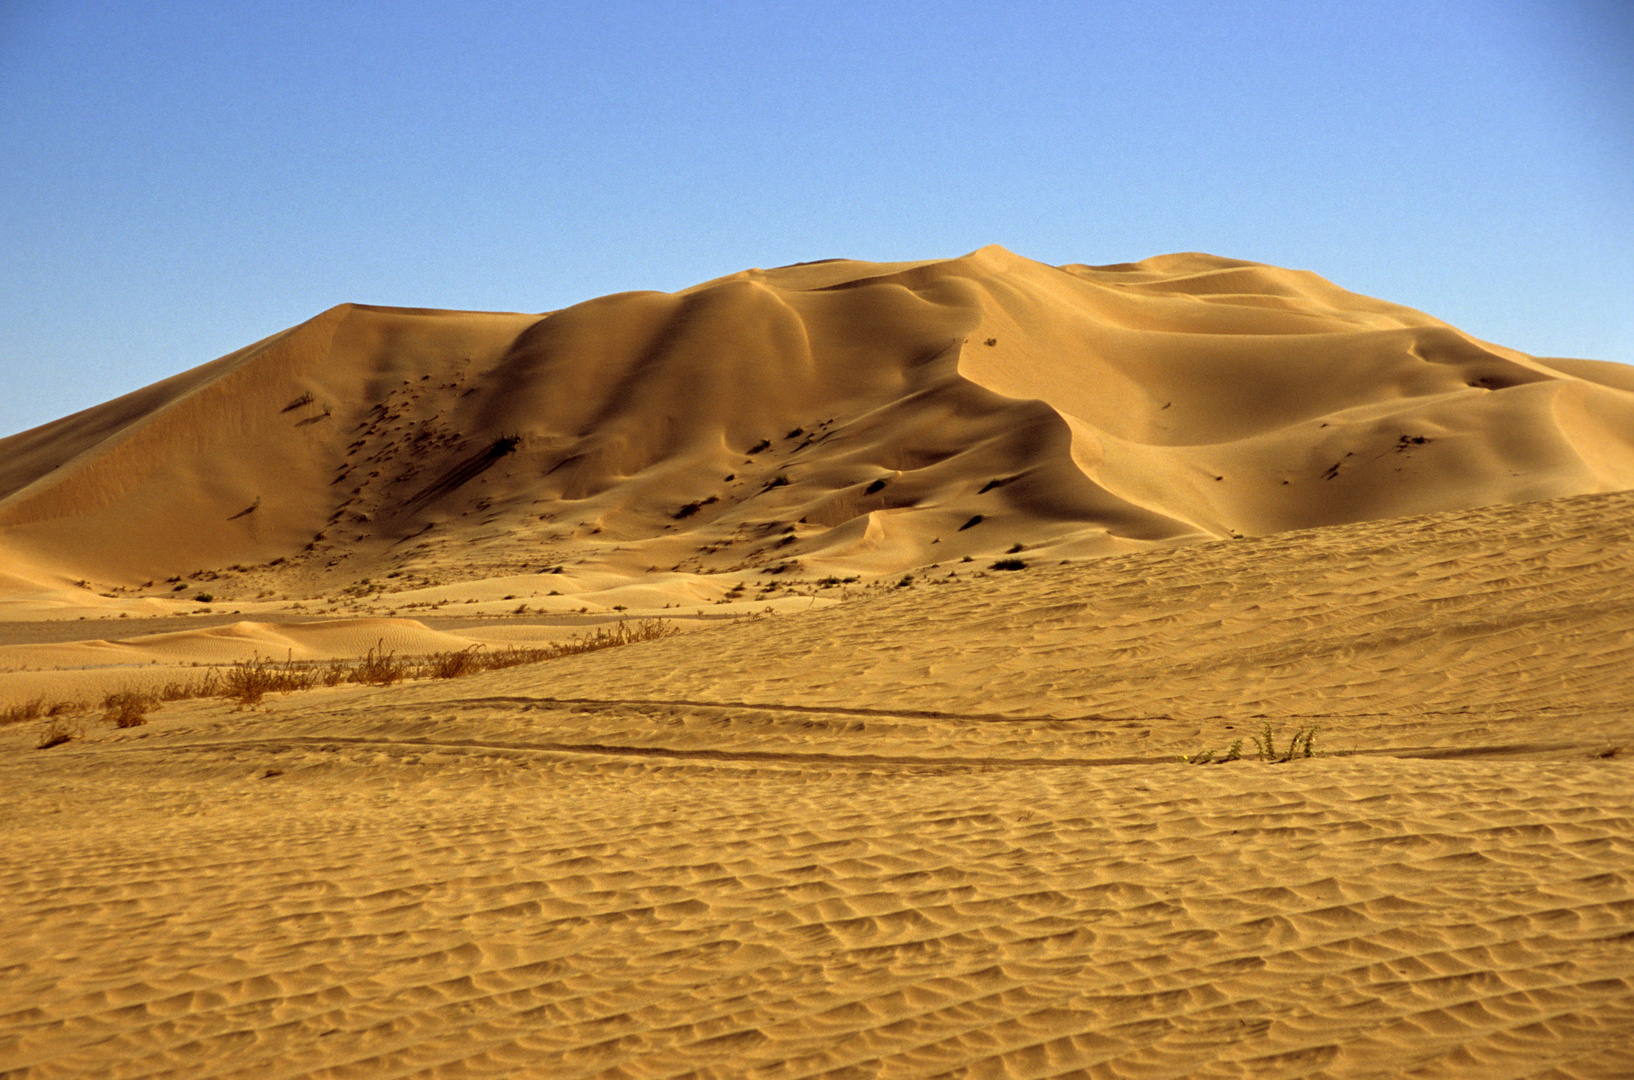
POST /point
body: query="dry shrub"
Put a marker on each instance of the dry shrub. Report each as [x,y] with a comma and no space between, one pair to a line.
[127,708]
[379,668]
[451,665]
[248,681]
[622,634]
[209,684]
[58,730]
[28,710]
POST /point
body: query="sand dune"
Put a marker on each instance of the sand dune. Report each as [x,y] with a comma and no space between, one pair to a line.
[942,830]
[840,417]
[995,577]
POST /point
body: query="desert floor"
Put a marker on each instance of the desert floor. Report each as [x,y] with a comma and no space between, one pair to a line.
[937,829]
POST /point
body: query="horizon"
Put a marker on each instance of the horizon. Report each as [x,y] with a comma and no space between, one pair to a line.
[185,183]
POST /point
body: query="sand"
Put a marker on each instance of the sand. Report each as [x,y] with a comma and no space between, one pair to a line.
[947,818]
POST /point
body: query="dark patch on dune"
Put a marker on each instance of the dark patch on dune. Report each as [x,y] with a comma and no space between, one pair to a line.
[463,473]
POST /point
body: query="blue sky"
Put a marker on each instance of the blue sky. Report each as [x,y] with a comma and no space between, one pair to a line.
[180,179]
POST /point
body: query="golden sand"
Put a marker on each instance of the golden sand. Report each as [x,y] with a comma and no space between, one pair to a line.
[944,819]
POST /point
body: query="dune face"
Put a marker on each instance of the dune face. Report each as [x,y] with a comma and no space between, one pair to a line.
[831,417]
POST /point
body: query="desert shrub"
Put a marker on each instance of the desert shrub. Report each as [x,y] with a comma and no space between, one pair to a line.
[209,683]
[204,597]
[28,710]
[379,668]
[451,665]
[58,730]
[248,681]
[1009,564]
[127,708]
[607,638]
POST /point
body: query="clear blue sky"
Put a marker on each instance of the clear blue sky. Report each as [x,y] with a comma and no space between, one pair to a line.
[179,179]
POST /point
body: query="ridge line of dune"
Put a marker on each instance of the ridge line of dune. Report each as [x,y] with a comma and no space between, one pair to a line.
[62,493]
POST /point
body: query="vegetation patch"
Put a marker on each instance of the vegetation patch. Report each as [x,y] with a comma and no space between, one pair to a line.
[127,708]
[250,681]
[1302,744]
[56,731]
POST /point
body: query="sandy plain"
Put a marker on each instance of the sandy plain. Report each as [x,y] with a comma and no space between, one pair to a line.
[884,807]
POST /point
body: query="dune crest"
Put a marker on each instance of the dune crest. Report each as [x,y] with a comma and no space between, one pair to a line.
[836,416]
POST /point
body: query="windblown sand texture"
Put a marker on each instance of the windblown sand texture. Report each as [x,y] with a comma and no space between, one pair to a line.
[931,822]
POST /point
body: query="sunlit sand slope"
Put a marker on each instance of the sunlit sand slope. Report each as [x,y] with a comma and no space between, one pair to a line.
[839,416]
[1439,619]
[388,910]
[938,833]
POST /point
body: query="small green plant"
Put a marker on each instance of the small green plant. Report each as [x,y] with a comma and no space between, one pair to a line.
[1301,745]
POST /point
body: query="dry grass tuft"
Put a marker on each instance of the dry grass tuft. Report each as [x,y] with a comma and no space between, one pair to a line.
[249,681]
[1301,745]
[452,665]
[379,668]
[58,730]
[28,710]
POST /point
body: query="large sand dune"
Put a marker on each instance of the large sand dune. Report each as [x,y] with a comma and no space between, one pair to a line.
[983,565]
[839,417]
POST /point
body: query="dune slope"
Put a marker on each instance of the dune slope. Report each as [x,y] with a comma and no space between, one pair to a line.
[939,831]
[830,417]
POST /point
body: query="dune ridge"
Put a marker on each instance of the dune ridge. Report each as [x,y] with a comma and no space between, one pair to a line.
[832,417]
